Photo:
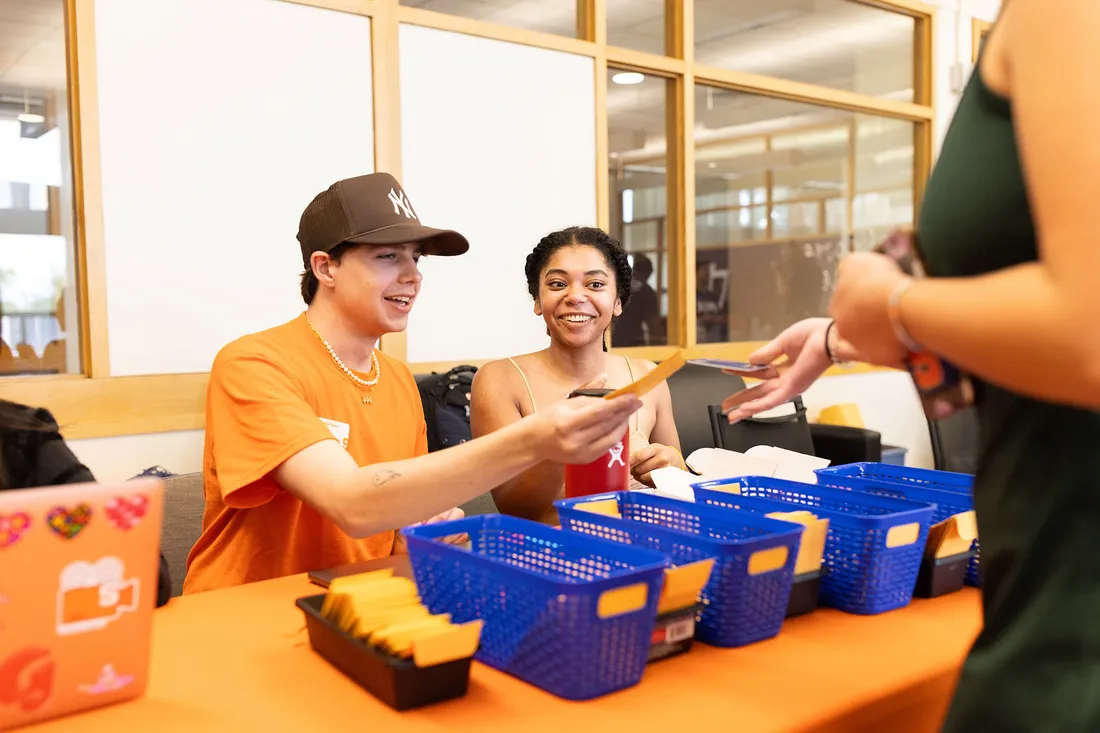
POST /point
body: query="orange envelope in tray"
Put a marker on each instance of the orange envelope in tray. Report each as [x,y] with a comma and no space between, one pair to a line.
[78,580]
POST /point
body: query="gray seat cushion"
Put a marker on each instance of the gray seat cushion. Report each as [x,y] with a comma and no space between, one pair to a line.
[483,504]
[183,506]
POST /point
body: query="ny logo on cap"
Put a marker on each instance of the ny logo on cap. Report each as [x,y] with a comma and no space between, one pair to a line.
[401,204]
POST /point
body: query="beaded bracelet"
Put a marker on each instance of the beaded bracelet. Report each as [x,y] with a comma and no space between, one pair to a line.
[893,311]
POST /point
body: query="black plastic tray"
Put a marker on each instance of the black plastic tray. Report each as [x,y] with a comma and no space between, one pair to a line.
[397,682]
[673,633]
[940,576]
[804,592]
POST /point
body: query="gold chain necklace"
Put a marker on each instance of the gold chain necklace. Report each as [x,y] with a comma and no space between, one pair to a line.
[375,367]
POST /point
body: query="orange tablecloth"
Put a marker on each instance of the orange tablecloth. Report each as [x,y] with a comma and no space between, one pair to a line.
[239,660]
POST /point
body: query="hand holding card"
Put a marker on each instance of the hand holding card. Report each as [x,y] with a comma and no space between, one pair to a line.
[739,368]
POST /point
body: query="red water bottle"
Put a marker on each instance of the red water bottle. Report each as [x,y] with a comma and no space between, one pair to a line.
[609,472]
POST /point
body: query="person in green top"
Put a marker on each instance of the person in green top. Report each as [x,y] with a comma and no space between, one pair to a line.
[1008,232]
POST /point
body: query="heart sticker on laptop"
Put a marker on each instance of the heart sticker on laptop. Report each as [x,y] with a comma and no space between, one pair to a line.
[69,522]
[12,527]
[126,511]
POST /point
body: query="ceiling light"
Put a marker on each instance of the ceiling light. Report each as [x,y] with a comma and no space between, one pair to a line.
[628,77]
[28,117]
[712,165]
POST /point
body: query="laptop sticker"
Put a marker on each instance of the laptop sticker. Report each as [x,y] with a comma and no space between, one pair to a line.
[93,595]
[12,527]
[126,511]
[26,678]
[108,681]
[68,523]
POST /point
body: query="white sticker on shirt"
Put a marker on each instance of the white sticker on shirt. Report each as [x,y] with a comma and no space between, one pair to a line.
[340,430]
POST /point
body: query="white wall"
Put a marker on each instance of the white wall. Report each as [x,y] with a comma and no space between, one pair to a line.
[219,121]
[953,49]
[888,403]
[498,141]
[112,459]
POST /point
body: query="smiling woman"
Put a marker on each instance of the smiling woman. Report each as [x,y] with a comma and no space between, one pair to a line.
[579,279]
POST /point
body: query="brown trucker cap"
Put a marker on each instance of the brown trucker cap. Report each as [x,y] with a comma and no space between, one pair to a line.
[371,209]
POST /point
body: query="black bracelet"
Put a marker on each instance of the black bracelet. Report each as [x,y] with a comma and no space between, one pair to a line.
[828,351]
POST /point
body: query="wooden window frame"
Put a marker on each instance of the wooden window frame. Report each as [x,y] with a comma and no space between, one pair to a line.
[96,404]
[978,29]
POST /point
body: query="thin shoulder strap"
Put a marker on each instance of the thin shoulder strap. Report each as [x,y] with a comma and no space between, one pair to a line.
[637,417]
[534,407]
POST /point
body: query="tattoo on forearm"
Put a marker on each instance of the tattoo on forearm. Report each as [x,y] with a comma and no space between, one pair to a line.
[384,477]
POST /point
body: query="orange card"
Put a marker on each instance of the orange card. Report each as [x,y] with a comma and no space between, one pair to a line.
[664,370]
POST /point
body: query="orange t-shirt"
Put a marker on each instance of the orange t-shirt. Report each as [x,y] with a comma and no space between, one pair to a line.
[271,395]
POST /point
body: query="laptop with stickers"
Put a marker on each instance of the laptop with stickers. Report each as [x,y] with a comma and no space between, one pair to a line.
[78,583]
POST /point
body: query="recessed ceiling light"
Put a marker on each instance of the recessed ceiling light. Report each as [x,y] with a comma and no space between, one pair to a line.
[712,165]
[30,118]
[628,77]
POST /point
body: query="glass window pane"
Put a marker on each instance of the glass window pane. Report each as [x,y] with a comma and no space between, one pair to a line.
[39,326]
[547,16]
[799,219]
[883,199]
[637,24]
[776,188]
[833,43]
[637,147]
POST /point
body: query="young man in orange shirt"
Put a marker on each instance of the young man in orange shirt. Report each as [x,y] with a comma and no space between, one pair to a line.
[316,447]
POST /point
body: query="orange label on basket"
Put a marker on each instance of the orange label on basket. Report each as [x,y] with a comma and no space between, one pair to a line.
[607,507]
[617,601]
[902,535]
[765,561]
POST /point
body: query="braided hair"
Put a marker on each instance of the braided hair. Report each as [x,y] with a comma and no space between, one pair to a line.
[613,253]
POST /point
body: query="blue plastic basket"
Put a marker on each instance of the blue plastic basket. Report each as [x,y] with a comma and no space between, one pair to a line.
[952,492]
[865,575]
[540,592]
[739,608]
[922,477]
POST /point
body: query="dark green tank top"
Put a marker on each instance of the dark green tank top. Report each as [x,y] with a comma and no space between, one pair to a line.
[1036,665]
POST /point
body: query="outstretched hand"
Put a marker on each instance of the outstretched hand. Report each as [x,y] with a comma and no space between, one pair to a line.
[582,429]
[803,345]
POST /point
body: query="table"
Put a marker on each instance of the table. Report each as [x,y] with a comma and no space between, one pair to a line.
[239,659]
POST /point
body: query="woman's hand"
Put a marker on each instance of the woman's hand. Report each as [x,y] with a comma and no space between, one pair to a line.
[401,548]
[861,306]
[861,309]
[645,461]
[803,345]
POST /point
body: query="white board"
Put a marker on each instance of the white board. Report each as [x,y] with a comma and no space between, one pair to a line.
[219,121]
[498,141]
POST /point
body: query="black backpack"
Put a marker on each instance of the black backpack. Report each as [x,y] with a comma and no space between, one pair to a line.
[446,399]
